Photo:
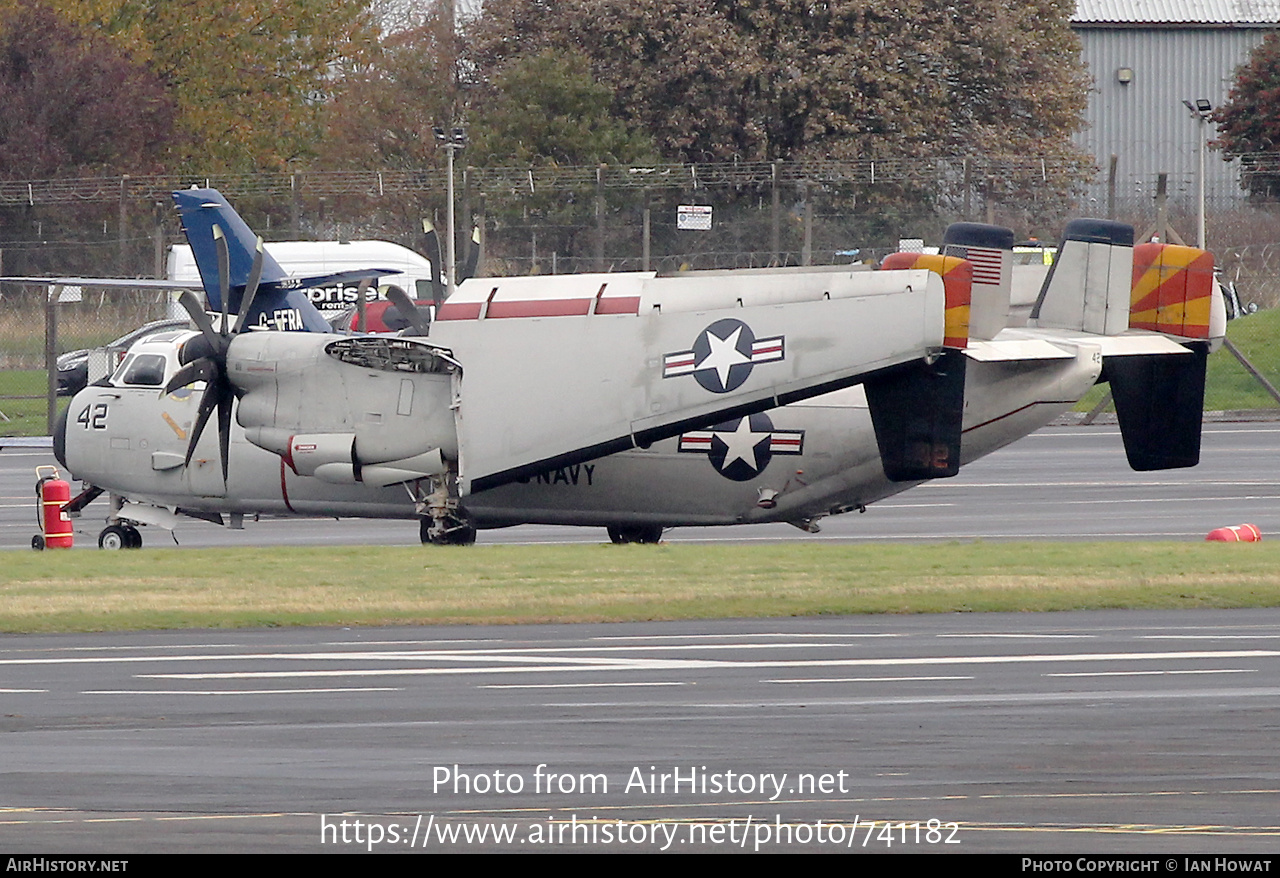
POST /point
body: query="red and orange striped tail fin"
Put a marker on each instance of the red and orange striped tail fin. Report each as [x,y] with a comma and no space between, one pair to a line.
[1174,291]
[957,283]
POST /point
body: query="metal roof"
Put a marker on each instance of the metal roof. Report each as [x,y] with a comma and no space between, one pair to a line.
[1210,13]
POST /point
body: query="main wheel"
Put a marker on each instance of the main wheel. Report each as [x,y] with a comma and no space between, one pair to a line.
[463,534]
[133,537]
[621,534]
[37,543]
[113,537]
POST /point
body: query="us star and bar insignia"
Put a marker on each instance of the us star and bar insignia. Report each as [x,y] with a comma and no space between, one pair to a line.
[741,449]
[723,356]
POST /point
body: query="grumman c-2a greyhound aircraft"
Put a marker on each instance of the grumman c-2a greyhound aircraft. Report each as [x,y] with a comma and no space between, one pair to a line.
[636,401]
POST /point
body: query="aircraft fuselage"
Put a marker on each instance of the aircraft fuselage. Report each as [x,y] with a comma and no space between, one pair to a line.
[795,463]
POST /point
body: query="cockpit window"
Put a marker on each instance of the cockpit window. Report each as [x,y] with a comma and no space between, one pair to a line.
[145,369]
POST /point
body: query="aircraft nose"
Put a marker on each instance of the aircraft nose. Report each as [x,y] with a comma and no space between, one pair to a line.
[60,438]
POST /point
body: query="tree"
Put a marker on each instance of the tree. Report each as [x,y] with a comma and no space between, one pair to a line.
[1249,122]
[248,78]
[385,108]
[547,109]
[74,104]
[783,79]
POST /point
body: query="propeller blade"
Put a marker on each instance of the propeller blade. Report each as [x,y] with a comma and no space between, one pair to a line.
[208,402]
[251,288]
[201,370]
[431,248]
[224,425]
[224,275]
[361,304]
[468,268]
[199,317]
[408,310]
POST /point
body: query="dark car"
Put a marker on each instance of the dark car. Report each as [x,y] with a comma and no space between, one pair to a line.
[73,366]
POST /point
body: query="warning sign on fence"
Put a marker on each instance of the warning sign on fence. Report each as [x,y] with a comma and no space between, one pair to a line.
[694,217]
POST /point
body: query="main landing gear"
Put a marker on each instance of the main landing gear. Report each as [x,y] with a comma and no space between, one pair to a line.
[120,536]
[453,531]
[635,533]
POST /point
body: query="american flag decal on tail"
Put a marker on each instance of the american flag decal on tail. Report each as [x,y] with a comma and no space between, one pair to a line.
[986,262]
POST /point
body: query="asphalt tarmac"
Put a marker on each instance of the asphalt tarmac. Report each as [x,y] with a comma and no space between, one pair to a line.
[1068,483]
[1063,733]
[1104,732]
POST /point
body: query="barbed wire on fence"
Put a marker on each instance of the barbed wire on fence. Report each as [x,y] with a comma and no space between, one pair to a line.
[500,181]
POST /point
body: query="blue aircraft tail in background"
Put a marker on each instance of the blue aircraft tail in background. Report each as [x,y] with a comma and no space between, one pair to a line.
[280,302]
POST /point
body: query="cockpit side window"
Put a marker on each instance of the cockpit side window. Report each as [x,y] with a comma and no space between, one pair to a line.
[145,369]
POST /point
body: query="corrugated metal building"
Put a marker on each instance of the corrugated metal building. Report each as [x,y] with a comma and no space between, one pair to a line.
[1147,57]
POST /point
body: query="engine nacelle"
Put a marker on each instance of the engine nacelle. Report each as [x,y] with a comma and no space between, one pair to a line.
[345,403]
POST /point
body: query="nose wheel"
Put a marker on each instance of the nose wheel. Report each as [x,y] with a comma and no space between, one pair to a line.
[120,536]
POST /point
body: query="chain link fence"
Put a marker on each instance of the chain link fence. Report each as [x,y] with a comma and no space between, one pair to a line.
[572,219]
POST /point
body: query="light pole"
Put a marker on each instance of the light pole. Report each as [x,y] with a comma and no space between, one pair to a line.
[451,142]
[1200,111]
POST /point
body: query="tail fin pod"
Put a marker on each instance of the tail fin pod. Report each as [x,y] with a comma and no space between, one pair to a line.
[1088,286]
[989,249]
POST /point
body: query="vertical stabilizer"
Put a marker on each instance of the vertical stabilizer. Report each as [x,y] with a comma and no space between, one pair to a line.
[989,249]
[1088,287]
[957,284]
[201,210]
[1160,397]
[917,410]
[1174,292]
[279,302]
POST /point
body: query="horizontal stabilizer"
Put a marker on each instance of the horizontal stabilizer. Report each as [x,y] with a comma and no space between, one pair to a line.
[109,283]
[1007,350]
[342,277]
[917,411]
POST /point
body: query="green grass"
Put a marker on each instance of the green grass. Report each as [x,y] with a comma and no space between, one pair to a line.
[1228,387]
[25,417]
[83,590]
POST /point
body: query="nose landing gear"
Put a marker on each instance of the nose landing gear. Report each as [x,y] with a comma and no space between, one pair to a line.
[120,536]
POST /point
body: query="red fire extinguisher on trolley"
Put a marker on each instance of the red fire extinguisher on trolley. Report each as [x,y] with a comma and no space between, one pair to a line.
[52,494]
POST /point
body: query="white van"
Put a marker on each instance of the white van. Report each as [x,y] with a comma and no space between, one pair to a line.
[315,258]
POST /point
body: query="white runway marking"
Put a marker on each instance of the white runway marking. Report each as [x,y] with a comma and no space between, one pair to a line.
[1030,636]
[574,685]
[865,679]
[1209,637]
[726,636]
[586,663]
[1154,673]
[239,691]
